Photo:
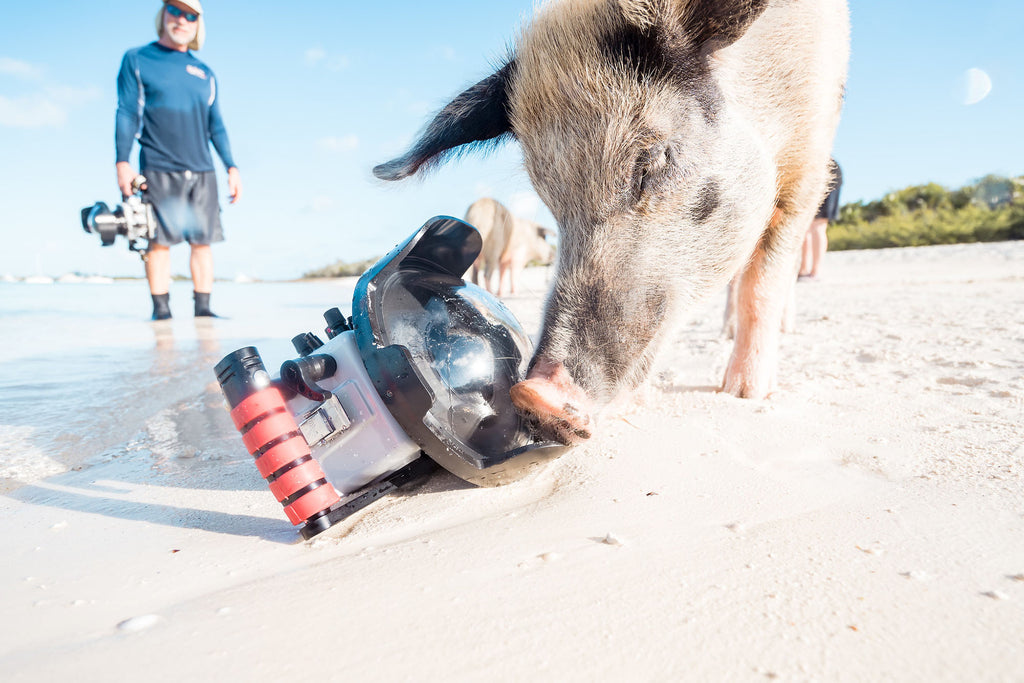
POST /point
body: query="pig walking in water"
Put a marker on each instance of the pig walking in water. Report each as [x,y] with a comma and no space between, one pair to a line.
[677,143]
[510,242]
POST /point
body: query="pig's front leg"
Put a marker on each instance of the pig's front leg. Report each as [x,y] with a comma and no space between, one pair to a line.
[759,298]
[729,319]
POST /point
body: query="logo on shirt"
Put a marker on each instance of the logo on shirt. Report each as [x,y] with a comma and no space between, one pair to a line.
[195,71]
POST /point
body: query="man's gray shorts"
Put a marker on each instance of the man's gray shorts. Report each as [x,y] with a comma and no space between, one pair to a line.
[186,204]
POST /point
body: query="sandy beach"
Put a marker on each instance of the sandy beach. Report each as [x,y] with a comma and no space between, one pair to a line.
[864,523]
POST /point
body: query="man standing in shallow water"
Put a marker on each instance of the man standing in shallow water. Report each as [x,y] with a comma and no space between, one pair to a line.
[168,100]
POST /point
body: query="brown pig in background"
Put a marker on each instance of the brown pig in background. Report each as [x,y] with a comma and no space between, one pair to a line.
[677,143]
[509,243]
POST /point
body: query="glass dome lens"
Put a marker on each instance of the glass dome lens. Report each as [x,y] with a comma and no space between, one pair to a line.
[468,350]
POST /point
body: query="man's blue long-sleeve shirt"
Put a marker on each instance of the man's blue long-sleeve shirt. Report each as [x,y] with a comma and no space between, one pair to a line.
[168,100]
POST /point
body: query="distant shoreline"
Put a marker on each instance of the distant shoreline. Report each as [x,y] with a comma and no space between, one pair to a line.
[78,278]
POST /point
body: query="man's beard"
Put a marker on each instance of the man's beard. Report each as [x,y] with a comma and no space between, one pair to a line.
[179,39]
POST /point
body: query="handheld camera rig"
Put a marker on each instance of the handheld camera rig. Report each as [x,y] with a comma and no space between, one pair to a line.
[417,377]
[135,219]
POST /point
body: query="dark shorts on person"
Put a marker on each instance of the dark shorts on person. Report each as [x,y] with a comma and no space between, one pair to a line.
[829,208]
[186,205]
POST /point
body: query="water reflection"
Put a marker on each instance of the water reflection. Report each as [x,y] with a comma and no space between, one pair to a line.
[163,336]
[118,403]
[207,344]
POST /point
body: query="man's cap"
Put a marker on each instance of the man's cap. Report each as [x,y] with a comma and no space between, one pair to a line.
[194,5]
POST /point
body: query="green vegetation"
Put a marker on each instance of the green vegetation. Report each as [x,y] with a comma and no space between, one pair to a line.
[990,210]
[342,269]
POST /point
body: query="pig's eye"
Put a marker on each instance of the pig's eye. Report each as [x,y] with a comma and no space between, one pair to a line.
[651,170]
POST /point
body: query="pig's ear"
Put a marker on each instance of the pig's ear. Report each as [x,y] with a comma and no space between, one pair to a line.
[699,22]
[478,115]
[644,14]
[718,23]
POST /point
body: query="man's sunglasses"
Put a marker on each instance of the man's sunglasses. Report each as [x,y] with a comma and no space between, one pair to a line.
[178,12]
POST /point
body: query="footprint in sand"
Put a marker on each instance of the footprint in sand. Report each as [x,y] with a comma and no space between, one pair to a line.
[962,381]
[141,623]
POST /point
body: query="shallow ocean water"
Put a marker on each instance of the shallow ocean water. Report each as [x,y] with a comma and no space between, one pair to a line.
[85,376]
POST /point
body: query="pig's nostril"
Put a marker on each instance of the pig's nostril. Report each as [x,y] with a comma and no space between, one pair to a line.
[532,418]
[556,409]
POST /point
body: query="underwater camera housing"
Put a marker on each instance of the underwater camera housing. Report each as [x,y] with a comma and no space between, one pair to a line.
[135,219]
[418,377]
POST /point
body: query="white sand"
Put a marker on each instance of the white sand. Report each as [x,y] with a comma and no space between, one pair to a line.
[864,523]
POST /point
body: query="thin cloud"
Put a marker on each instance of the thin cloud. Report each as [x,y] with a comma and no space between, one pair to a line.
[71,95]
[446,53]
[49,108]
[31,111]
[344,143]
[338,63]
[317,56]
[20,69]
[318,204]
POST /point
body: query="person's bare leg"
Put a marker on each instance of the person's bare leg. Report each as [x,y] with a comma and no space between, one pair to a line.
[807,253]
[158,274]
[158,269]
[819,244]
[201,265]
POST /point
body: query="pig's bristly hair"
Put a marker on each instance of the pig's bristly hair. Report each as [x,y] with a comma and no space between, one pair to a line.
[477,117]
[664,40]
[643,51]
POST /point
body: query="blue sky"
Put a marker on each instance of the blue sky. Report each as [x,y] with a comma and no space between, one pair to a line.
[315,93]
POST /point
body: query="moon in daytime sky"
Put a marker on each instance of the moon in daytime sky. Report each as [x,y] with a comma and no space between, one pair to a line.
[977,86]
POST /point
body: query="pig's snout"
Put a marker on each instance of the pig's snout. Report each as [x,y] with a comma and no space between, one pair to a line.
[550,398]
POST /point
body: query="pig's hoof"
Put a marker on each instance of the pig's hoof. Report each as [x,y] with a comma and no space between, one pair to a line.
[554,416]
[742,386]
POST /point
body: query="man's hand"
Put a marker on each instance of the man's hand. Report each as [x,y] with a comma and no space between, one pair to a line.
[125,175]
[234,184]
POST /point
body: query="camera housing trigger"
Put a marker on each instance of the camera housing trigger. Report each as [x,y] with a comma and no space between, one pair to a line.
[302,374]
